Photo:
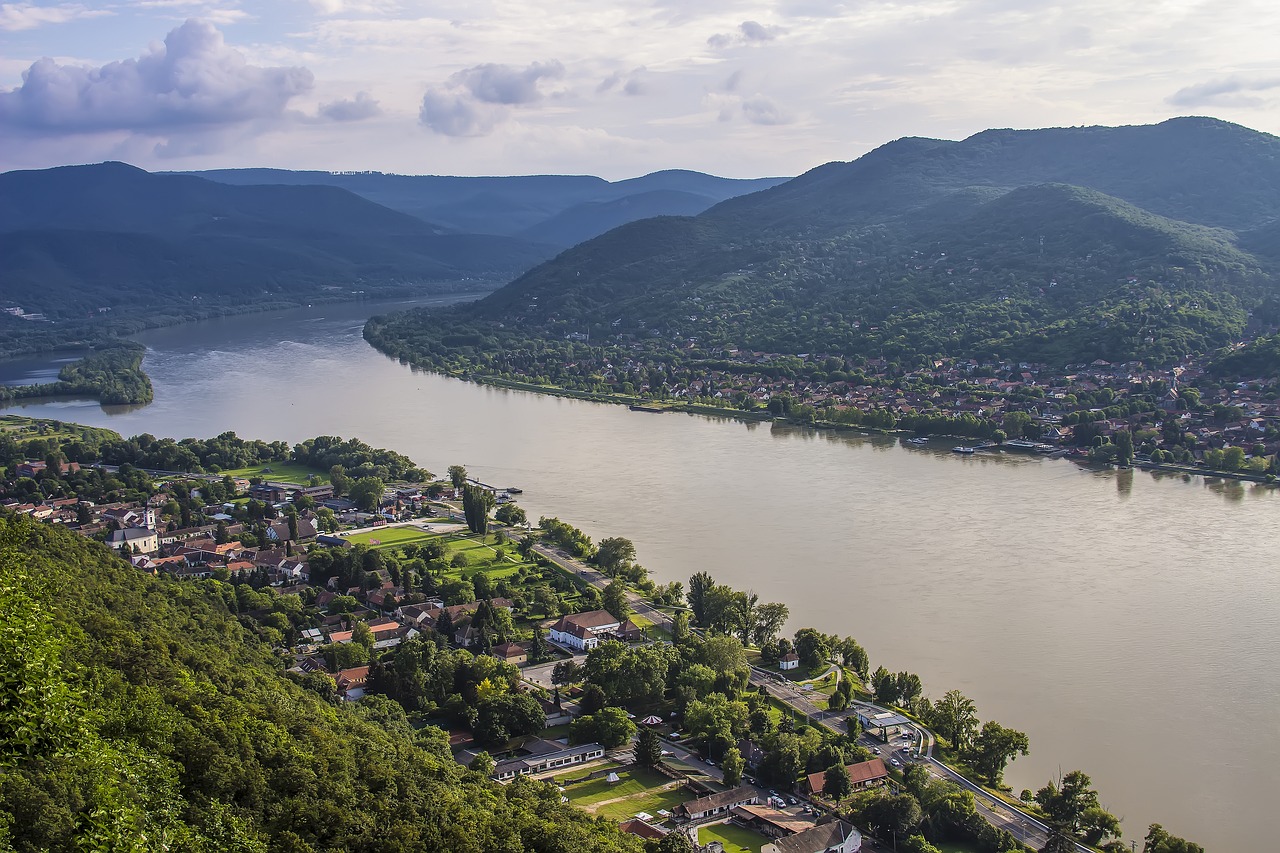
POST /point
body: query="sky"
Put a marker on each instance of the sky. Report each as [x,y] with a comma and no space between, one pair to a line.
[500,87]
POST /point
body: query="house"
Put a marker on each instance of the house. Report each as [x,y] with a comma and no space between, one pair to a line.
[834,837]
[351,682]
[864,774]
[583,631]
[718,803]
[641,829]
[279,531]
[770,822]
[271,493]
[511,653]
[145,541]
[544,755]
[789,661]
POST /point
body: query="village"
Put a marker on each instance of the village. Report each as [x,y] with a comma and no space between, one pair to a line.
[531,663]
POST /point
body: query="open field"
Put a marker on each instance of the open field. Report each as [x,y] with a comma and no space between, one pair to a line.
[651,802]
[734,838]
[281,472]
[390,537]
[630,782]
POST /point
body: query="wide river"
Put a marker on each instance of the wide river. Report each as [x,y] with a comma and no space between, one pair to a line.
[1126,621]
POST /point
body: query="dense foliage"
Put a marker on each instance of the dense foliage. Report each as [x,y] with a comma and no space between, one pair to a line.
[113,374]
[137,713]
[992,248]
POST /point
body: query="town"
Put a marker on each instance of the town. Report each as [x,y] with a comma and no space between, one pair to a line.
[682,715]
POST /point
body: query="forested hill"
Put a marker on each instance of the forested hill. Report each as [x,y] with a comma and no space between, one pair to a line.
[138,713]
[560,209]
[78,239]
[1058,246]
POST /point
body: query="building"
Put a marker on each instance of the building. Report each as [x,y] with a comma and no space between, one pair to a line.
[642,829]
[790,660]
[770,822]
[511,653]
[584,631]
[145,541]
[834,837]
[864,774]
[721,802]
[544,755]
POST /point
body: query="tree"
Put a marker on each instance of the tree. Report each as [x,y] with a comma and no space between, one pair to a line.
[615,599]
[853,655]
[885,685]
[339,480]
[615,554]
[366,493]
[675,842]
[1073,810]
[895,814]
[609,727]
[483,763]
[679,627]
[538,646]
[909,687]
[732,765]
[593,699]
[476,503]
[699,585]
[812,647]
[835,783]
[1123,440]
[512,515]
[1160,841]
[770,617]
[566,672]
[457,476]
[994,747]
[955,716]
[648,748]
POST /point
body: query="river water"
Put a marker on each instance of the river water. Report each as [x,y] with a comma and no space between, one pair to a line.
[1126,621]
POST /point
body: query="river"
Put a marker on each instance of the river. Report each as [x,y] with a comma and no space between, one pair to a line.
[1126,621]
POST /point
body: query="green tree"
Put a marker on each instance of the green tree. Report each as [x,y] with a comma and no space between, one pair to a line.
[835,783]
[955,716]
[648,748]
[610,727]
[566,672]
[457,476]
[699,585]
[812,648]
[615,599]
[893,814]
[674,842]
[1160,841]
[339,480]
[366,493]
[732,765]
[994,747]
[769,619]
[476,503]
[483,763]
[614,555]
[1073,811]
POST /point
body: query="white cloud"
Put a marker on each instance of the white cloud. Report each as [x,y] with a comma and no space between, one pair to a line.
[1225,91]
[361,107]
[473,101]
[193,81]
[762,110]
[28,16]
[748,32]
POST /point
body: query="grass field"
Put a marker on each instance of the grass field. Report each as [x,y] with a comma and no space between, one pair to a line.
[651,801]
[282,472]
[637,790]
[952,847]
[629,782]
[390,537]
[734,838]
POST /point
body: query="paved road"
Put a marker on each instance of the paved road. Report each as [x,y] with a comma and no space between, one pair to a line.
[576,567]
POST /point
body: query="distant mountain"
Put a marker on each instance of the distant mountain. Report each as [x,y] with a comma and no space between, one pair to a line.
[79,238]
[1053,245]
[549,208]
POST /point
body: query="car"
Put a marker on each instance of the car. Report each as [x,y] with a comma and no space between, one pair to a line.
[712,763]
[905,749]
[793,801]
[895,762]
[876,750]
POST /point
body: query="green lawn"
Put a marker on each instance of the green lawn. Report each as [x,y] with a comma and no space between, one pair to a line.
[734,838]
[390,537]
[952,847]
[282,472]
[629,782]
[651,801]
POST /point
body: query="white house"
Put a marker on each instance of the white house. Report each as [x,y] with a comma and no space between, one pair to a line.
[583,631]
[146,541]
[790,660]
[834,837]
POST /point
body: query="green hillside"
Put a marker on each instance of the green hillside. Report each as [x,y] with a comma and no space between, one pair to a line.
[1053,246]
[139,713]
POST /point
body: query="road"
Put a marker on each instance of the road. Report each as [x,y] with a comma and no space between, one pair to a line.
[573,566]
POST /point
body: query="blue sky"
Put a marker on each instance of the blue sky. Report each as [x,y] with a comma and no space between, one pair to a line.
[599,86]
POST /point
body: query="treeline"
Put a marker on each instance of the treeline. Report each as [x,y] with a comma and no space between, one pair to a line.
[138,712]
[112,374]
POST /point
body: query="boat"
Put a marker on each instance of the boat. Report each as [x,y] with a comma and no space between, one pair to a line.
[512,490]
[962,449]
[918,441]
[636,407]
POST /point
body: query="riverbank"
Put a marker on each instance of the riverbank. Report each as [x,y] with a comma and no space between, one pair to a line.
[112,374]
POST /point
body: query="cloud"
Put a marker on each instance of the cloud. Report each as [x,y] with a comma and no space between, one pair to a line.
[28,16]
[749,32]
[193,81]
[762,110]
[626,82]
[361,107]
[475,100]
[1227,91]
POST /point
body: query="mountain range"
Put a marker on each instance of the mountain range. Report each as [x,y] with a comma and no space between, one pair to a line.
[559,210]
[1058,246]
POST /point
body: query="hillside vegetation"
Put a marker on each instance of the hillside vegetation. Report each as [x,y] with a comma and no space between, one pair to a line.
[138,713]
[1052,246]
